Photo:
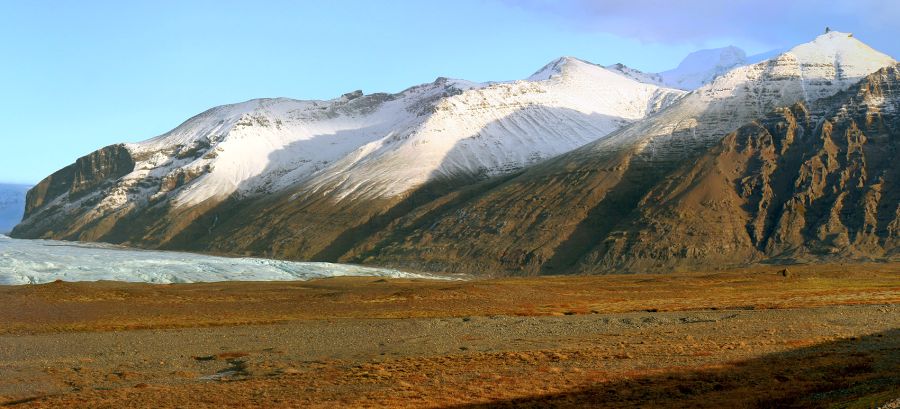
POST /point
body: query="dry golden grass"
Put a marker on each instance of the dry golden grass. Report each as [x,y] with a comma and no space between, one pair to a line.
[692,365]
[107,306]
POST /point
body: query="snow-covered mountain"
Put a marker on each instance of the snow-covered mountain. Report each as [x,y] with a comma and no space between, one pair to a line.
[451,175]
[12,205]
[701,67]
[375,146]
[697,69]
[497,129]
[821,68]
[387,144]
[571,213]
[637,75]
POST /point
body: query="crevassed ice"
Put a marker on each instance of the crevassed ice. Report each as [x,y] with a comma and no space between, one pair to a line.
[42,261]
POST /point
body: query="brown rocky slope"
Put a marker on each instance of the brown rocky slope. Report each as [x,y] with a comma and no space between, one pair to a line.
[801,183]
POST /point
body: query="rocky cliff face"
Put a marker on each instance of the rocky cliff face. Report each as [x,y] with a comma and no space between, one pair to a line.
[74,190]
[89,172]
[804,182]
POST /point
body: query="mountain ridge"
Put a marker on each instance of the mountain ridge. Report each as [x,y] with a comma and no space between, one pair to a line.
[554,214]
[374,146]
[805,182]
[696,69]
[578,198]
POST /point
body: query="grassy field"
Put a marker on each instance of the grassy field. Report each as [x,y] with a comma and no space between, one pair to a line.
[813,336]
[108,306]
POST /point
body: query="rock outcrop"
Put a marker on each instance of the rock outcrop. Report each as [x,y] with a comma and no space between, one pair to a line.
[99,168]
[810,181]
[566,214]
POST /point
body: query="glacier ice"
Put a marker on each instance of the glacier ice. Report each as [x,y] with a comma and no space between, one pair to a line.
[43,261]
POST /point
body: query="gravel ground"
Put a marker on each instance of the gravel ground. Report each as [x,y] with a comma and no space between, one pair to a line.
[824,335]
[63,364]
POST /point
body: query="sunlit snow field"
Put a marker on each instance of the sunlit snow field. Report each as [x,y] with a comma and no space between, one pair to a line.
[42,261]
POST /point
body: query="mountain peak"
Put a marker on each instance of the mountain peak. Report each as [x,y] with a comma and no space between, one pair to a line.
[557,67]
[841,49]
[832,35]
[833,40]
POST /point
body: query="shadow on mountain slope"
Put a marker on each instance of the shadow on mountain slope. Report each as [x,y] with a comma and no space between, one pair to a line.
[304,225]
[597,209]
[365,239]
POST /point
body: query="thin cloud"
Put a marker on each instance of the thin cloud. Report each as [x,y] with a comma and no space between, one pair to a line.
[768,22]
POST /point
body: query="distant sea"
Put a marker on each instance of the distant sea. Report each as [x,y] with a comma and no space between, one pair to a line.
[12,205]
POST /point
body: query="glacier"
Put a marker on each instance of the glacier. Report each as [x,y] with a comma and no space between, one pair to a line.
[43,261]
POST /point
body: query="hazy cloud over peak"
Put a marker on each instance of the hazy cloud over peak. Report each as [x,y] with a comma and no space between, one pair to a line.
[773,23]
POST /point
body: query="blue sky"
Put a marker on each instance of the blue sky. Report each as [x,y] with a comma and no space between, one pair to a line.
[76,76]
